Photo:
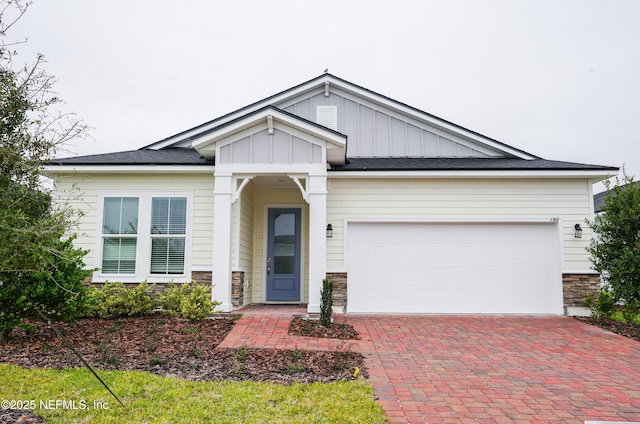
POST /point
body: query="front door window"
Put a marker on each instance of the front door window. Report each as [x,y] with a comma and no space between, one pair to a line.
[283,255]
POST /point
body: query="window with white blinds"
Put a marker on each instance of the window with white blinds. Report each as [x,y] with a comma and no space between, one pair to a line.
[119,235]
[144,236]
[168,232]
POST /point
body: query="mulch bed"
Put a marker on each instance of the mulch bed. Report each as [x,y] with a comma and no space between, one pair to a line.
[172,347]
[312,328]
[626,329]
[175,348]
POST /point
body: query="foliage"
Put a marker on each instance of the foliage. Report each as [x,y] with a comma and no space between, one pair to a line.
[631,312]
[59,294]
[615,248]
[154,399]
[326,302]
[38,264]
[188,300]
[114,300]
[604,306]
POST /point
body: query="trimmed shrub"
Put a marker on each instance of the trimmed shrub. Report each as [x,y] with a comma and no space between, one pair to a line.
[114,300]
[188,300]
[326,302]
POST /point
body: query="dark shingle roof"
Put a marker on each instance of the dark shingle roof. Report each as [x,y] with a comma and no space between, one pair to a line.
[169,156]
[189,156]
[459,164]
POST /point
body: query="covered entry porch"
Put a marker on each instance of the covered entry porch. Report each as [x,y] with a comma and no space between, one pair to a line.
[269,211]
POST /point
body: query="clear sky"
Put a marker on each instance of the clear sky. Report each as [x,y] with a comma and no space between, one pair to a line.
[557,78]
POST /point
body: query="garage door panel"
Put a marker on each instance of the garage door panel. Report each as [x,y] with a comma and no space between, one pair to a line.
[453,268]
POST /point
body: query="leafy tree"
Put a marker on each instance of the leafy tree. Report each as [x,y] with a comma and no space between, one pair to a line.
[615,249]
[39,266]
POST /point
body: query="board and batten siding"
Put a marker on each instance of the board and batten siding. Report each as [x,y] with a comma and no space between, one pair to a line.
[87,193]
[461,199]
[374,131]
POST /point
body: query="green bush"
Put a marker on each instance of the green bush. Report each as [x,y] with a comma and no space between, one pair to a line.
[59,293]
[326,302]
[631,312]
[115,300]
[604,306]
[188,300]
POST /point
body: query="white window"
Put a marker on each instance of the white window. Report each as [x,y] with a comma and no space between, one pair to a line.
[168,232]
[144,236]
[119,235]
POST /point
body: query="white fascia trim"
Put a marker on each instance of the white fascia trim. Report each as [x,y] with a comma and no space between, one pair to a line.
[318,84]
[460,136]
[205,140]
[430,120]
[465,174]
[337,85]
[52,170]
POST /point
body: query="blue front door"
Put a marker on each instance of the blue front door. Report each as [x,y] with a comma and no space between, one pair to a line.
[283,255]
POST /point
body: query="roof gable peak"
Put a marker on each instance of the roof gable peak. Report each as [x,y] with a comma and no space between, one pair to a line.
[327,83]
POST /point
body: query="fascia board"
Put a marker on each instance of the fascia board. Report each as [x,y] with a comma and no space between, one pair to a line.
[317,84]
[598,175]
[52,170]
[431,120]
[257,119]
[275,99]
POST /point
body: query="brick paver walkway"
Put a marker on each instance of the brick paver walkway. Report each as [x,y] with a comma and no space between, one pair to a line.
[478,369]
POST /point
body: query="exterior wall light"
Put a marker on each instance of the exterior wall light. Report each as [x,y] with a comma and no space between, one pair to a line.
[578,229]
[329,231]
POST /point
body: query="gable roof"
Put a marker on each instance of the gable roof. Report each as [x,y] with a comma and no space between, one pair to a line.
[206,140]
[325,82]
[195,147]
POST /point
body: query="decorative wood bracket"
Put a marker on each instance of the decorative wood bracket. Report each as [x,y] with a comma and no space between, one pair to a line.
[326,89]
[305,193]
[270,124]
[238,191]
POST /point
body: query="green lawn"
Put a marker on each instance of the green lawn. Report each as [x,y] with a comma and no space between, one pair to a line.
[150,398]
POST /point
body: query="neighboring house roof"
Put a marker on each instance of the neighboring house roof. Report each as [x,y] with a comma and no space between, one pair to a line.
[598,199]
[180,149]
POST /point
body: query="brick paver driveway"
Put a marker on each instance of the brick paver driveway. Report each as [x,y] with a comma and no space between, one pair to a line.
[499,369]
[477,369]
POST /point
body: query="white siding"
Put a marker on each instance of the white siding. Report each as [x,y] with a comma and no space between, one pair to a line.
[91,186]
[461,199]
[246,234]
[261,147]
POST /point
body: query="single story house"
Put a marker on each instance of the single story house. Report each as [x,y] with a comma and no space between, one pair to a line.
[405,211]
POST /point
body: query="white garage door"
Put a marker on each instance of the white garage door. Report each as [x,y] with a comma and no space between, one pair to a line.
[454,268]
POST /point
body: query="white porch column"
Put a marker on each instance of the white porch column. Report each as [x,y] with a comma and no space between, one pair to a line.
[317,191]
[222,214]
